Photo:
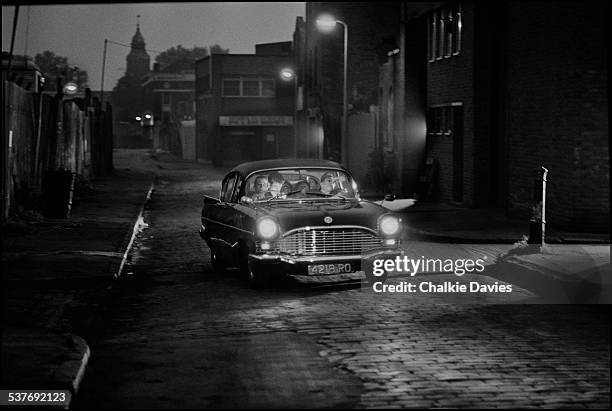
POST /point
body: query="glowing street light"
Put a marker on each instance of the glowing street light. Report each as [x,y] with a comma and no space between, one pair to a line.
[138,118]
[287,74]
[326,24]
[70,88]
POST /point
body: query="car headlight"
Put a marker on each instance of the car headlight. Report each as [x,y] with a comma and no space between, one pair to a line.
[390,225]
[267,228]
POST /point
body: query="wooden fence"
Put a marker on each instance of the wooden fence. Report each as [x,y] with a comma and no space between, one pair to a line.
[44,134]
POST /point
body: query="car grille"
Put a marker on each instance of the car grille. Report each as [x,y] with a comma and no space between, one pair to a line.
[318,242]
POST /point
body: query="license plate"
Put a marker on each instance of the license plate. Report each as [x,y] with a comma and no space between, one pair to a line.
[320,269]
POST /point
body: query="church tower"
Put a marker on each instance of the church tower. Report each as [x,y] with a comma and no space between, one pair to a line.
[138,61]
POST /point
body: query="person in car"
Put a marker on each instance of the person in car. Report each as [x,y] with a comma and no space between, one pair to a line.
[301,188]
[278,186]
[262,185]
[327,184]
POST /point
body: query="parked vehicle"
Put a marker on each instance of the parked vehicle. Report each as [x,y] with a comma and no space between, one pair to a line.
[312,222]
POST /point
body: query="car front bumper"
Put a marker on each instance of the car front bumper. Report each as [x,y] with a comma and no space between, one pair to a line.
[298,265]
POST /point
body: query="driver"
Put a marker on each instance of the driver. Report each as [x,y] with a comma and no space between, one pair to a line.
[327,184]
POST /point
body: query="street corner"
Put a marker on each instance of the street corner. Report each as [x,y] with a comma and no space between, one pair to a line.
[41,359]
[556,279]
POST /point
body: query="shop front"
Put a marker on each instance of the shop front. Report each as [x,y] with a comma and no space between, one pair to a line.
[251,138]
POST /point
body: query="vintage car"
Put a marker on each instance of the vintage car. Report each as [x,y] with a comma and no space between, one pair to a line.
[310,221]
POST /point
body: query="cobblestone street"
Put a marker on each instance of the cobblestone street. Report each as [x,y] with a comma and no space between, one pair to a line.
[173,333]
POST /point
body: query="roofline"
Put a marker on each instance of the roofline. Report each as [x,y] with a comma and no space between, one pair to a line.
[243,55]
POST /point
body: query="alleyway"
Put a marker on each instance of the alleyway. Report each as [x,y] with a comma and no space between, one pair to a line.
[173,333]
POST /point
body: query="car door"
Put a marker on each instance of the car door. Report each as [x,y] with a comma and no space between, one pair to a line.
[235,219]
[219,217]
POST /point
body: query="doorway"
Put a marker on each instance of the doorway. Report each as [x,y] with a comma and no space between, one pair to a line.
[269,147]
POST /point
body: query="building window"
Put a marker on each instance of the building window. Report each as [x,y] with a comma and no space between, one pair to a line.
[456,44]
[249,87]
[444,32]
[439,34]
[231,88]
[441,120]
[431,37]
[267,88]
[447,16]
[165,99]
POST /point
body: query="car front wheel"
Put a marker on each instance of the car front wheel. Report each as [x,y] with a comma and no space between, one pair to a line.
[256,277]
[217,264]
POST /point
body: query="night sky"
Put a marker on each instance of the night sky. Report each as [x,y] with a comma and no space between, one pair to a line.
[78,31]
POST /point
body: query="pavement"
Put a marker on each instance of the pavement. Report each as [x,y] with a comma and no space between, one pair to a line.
[448,223]
[46,263]
[570,268]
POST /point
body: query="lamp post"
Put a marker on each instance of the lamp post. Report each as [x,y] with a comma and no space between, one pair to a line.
[288,74]
[326,24]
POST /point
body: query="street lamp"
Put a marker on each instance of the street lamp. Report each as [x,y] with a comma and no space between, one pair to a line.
[70,88]
[287,74]
[326,24]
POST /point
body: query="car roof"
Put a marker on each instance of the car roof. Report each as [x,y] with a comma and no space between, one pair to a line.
[252,166]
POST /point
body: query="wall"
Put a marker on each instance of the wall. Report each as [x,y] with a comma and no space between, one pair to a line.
[452,80]
[41,136]
[558,110]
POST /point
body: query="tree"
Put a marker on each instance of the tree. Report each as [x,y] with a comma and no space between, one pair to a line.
[217,49]
[181,58]
[128,98]
[53,66]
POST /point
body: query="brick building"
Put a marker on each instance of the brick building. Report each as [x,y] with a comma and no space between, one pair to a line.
[487,93]
[171,92]
[319,61]
[556,109]
[244,111]
[514,87]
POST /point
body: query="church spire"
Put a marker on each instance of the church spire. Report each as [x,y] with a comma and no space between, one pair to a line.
[138,40]
[138,60]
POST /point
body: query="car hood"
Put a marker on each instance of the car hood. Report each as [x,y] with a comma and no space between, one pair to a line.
[312,213]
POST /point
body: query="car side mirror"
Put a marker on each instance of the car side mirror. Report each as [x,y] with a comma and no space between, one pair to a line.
[390,197]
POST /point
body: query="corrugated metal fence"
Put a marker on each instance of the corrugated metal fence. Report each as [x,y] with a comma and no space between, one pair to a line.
[45,136]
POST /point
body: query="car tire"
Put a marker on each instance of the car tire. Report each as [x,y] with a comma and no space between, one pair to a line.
[217,264]
[256,277]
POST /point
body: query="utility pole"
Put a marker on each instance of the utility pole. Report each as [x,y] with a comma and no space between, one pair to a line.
[10,62]
[103,68]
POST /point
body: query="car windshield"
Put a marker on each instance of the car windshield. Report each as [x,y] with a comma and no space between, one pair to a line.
[299,184]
